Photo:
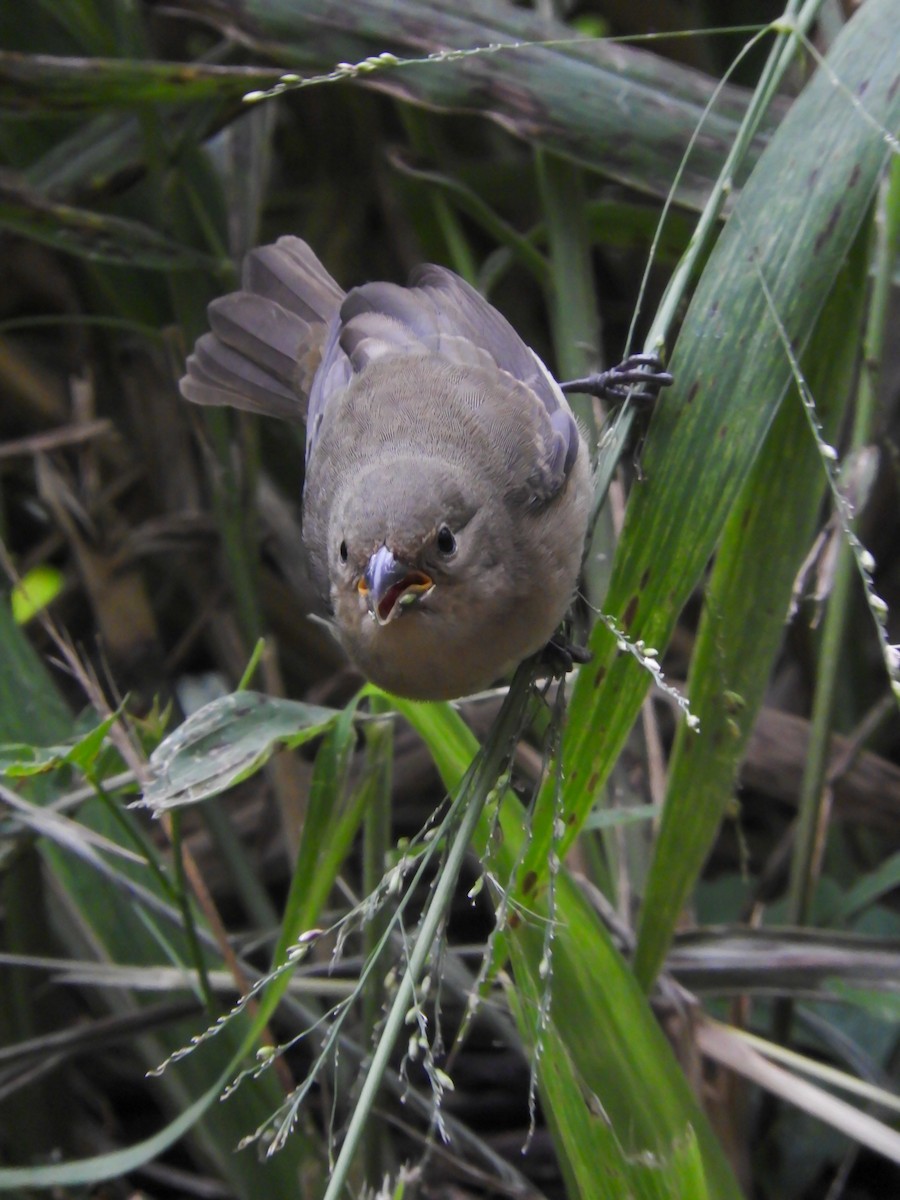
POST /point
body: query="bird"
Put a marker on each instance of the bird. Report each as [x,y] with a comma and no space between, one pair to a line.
[447,488]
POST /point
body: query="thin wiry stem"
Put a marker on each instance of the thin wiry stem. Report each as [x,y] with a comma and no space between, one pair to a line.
[473,794]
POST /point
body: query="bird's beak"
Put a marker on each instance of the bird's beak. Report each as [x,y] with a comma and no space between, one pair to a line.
[390,586]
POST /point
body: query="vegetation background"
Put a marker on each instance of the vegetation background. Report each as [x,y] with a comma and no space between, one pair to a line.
[685,938]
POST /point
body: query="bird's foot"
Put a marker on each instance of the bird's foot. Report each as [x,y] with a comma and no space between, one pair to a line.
[561,654]
[638,370]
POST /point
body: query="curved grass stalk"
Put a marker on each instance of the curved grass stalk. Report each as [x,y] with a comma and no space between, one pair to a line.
[791,26]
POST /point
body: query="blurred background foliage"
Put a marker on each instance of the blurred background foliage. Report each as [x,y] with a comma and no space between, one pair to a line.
[147,547]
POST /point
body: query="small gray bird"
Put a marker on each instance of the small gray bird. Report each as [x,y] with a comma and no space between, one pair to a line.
[448,486]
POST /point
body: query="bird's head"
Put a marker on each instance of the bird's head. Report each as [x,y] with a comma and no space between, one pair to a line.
[437,590]
[409,535]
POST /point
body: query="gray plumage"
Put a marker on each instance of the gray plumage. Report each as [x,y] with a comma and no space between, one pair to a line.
[447,484]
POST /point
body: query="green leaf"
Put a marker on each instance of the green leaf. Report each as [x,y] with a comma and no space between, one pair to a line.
[883,1005]
[870,888]
[21,759]
[34,592]
[225,742]
[333,816]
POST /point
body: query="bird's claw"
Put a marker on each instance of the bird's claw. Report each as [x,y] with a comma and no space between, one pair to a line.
[638,370]
[560,655]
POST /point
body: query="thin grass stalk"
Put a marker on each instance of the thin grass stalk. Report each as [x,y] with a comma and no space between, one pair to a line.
[29,1129]
[572,288]
[645,107]
[512,246]
[419,131]
[232,520]
[132,833]
[794,23]
[232,487]
[571,299]
[473,794]
[190,929]
[379,737]
[811,829]
[244,877]
[796,20]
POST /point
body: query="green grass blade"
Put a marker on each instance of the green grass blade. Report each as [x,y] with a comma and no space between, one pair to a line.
[44,83]
[117,1163]
[92,235]
[764,542]
[90,908]
[608,1155]
[793,227]
[31,710]
[605,1024]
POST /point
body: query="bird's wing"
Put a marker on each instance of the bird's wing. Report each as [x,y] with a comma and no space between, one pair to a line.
[266,340]
[441,314]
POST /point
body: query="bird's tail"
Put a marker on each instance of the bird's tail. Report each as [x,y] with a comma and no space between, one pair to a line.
[266,340]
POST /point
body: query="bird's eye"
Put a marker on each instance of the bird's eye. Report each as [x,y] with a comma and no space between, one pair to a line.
[343,552]
[446,542]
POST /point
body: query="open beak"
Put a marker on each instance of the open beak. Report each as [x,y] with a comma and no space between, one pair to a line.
[389,586]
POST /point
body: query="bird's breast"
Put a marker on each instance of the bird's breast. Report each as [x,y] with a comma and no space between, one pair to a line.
[452,645]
